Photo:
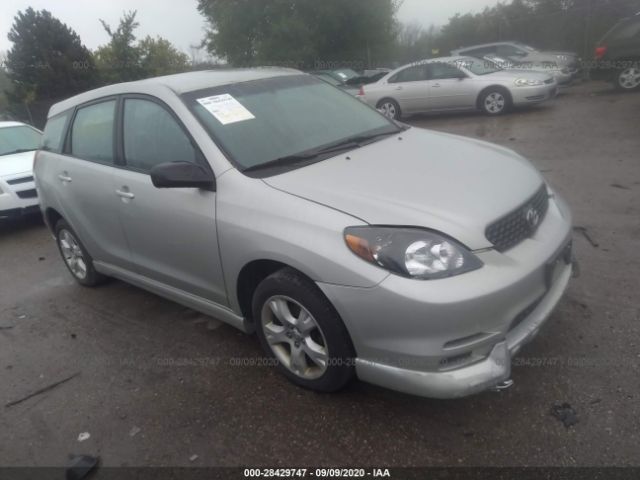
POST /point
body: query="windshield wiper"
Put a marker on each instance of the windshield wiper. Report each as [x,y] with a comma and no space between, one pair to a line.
[20,150]
[350,143]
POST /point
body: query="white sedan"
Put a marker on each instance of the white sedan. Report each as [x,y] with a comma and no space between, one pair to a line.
[18,144]
[456,83]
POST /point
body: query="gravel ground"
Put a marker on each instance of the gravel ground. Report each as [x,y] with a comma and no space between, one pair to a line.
[157,384]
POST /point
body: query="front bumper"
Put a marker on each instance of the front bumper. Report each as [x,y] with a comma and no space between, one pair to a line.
[531,95]
[16,213]
[454,337]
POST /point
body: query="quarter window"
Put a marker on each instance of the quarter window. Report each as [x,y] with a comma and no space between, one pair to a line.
[53,136]
[92,132]
[152,136]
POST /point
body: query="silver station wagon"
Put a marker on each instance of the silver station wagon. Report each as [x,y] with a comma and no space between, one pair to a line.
[352,245]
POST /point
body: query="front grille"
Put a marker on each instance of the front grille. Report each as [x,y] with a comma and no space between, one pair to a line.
[513,228]
[17,181]
[28,193]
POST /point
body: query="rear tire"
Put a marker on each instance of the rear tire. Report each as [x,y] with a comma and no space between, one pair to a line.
[300,329]
[628,79]
[389,108]
[75,256]
[495,101]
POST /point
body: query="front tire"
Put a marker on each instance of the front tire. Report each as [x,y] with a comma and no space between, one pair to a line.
[301,330]
[389,108]
[495,101]
[75,256]
[628,79]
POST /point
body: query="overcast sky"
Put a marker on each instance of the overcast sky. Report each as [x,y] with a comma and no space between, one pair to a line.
[179,21]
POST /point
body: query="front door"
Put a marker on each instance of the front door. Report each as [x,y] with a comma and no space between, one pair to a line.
[171,232]
[449,88]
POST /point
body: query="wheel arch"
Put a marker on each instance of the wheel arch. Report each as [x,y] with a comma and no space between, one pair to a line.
[51,217]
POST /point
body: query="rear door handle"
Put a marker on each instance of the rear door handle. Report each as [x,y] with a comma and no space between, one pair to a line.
[436,85]
[124,194]
[398,88]
[64,177]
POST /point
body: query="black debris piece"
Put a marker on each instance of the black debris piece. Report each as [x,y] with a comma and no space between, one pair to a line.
[565,413]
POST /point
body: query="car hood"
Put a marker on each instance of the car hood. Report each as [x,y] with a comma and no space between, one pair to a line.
[16,163]
[452,184]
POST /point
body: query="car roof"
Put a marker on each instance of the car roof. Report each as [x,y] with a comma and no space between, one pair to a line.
[179,83]
[482,45]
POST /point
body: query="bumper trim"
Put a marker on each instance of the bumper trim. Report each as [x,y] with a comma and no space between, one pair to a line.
[477,377]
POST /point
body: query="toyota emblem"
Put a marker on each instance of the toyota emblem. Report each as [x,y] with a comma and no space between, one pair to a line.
[533,217]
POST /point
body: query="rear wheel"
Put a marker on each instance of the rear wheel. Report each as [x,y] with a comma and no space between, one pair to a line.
[495,101]
[389,108]
[300,329]
[628,79]
[75,256]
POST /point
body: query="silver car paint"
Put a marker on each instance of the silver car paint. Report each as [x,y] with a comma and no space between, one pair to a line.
[561,58]
[418,178]
[455,94]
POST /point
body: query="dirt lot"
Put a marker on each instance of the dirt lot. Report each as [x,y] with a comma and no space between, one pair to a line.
[157,383]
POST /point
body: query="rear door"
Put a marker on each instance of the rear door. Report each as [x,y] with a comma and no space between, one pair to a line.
[84,182]
[409,87]
[171,232]
[449,87]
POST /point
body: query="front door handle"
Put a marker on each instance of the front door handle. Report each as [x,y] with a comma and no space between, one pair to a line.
[436,85]
[124,194]
[64,177]
[398,88]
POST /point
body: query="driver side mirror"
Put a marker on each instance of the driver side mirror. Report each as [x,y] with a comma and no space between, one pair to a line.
[182,175]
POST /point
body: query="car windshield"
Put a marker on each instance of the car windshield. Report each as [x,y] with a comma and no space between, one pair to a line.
[328,78]
[18,139]
[293,117]
[528,48]
[479,66]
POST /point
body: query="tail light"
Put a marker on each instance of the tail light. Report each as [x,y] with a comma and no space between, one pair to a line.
[600,52]
[361,91]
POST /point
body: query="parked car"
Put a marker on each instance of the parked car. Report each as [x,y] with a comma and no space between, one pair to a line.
[332,80]
[18,144]
[618,55]
[562,75]
[456,83]
[351,245]
[524,53]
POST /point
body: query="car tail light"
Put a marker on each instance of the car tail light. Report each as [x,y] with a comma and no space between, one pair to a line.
[600,52]
[361,91]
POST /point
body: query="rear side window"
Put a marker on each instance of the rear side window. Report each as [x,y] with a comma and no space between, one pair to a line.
[417,73]
[53,136]
[442,71]
[152,136]
[92,132]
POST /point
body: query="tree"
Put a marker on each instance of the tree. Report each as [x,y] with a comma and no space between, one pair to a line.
[120,59]
[124,60]
[300,33]
[159,57]
[47,59]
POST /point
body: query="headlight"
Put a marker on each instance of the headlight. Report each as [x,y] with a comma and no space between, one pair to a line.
[527,82]
[411,252]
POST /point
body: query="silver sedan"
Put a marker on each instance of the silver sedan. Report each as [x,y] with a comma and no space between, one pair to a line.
[456,83]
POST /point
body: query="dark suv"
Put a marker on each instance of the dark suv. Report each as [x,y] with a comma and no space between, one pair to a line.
[618,55]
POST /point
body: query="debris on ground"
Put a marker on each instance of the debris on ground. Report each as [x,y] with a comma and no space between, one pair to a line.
[41,259]
[193,458]
[622,187]
[6,327]
[84,436]
[22,317]
[134,431]
[42,390]
[565,413]
[585,234]
[80,466]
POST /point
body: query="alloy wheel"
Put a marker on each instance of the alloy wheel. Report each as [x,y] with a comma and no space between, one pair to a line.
[388,109]
[72,254]
[629,79]
[495,102]
[295,337]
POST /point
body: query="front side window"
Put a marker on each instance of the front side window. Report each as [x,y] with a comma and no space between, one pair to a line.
[283,119]
[53,136]
[92,132]
[18,139]
[152,136]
